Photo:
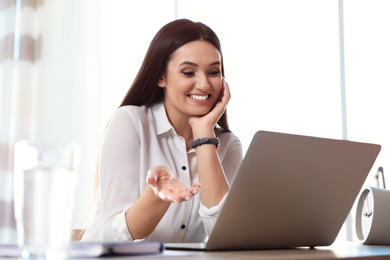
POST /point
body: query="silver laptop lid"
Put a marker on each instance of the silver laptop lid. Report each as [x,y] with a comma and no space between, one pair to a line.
[292,191]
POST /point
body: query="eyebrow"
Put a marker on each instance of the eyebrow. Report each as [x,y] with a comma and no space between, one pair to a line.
[196,65]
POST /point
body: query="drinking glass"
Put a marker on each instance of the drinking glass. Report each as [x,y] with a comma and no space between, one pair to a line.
[45,181]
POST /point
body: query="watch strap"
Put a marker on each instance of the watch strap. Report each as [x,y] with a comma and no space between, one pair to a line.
[207,140]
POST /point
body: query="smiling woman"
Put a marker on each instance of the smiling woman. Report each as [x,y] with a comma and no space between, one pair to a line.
[179,95]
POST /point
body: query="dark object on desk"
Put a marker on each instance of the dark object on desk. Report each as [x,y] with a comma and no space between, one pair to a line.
[290,191]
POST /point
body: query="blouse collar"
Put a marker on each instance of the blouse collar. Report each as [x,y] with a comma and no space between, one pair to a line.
[160,116]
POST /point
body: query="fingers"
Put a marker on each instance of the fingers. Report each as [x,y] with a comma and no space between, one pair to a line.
[226,92]
[180,196]
[223,99]
[195,188]
[151,179]
[175,198]
[158,173]
[188,193]
[169,188]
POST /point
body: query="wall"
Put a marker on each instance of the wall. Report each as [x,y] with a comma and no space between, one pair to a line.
[282,58]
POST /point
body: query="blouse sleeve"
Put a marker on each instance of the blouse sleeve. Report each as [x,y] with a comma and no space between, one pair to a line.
[119,176]
[230,159]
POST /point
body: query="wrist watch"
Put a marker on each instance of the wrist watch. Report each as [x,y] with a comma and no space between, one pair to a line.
[207,140]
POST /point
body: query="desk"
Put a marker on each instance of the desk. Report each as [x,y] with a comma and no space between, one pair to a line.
[348,250]
[339,251]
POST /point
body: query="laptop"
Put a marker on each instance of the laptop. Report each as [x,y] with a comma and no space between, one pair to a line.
[290,191]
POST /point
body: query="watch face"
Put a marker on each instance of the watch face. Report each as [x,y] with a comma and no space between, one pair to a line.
[367,212]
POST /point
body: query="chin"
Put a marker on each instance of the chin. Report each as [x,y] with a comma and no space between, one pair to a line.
[201,112]
[198,114]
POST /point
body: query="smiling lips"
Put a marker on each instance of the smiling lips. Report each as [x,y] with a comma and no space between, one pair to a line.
[200,97]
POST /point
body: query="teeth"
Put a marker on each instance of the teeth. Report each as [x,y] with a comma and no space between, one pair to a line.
[197,97]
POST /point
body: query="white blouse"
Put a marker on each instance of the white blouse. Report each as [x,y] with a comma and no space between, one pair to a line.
[137,139]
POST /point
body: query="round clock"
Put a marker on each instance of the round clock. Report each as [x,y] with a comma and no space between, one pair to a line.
[373,216]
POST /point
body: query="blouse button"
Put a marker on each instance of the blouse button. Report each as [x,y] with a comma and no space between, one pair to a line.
[183,168]
[183,226]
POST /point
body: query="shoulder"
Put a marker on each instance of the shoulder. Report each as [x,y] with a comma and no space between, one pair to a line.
[131,110]
[134,113]
[129,116]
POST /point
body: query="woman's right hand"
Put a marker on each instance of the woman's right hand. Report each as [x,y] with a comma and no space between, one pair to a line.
[203,125]
[168,187]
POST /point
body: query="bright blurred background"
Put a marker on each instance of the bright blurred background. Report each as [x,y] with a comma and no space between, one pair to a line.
[312,67]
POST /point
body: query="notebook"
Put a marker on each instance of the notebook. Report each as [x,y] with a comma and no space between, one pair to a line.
[290,191]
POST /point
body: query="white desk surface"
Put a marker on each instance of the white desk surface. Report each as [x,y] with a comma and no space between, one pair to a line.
[349,250]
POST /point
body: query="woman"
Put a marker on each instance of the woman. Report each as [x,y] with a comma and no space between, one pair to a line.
[164,140]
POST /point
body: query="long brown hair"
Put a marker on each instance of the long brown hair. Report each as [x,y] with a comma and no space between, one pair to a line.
[144,91]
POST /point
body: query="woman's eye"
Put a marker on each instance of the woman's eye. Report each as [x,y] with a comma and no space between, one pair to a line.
[188,73]
[214,73]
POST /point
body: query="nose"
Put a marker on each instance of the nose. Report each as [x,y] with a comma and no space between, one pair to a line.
[203,83]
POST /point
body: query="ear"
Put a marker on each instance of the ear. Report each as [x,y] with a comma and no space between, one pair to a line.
[161,82]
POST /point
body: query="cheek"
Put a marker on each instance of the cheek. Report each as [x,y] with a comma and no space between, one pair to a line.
[217,83]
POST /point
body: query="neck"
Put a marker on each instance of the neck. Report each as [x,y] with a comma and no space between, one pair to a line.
[182,127]
[180,122]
